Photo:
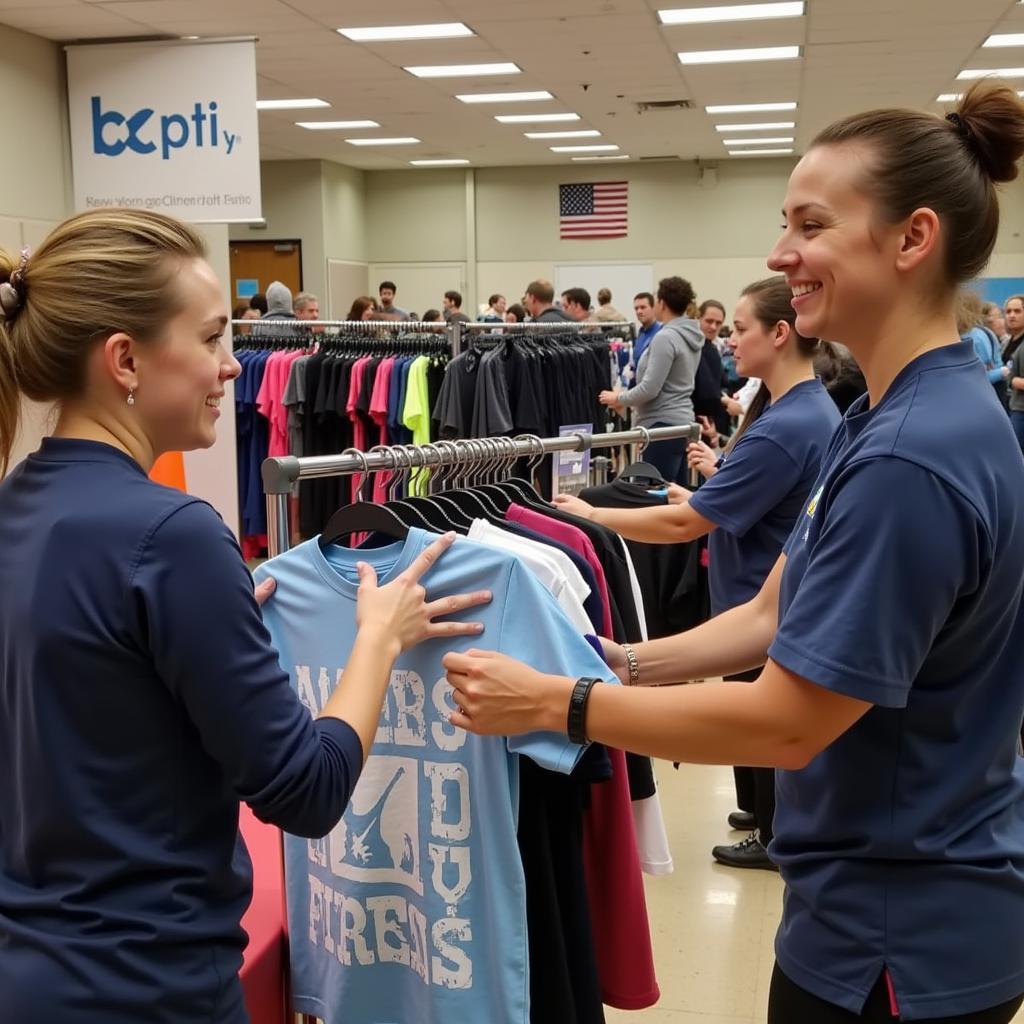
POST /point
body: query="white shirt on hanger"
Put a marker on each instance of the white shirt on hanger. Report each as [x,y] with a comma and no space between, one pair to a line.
[553,568]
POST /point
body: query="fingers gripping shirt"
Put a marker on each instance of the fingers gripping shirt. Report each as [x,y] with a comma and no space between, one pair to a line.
[413,908]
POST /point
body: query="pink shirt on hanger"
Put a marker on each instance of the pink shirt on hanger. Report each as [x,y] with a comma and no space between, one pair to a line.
[573,538]
[358,426]
[379,414]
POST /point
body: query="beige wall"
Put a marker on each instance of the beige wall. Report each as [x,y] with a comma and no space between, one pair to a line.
[717,237]
[416,216]
[322,204]
[344,213]
[292,208]
[34,166]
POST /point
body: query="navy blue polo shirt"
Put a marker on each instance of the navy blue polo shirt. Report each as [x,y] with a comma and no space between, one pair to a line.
[760,489]
[902,844]
[140,700]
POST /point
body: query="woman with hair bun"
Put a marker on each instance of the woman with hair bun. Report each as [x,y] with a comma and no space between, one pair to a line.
[140,696]
[891,627]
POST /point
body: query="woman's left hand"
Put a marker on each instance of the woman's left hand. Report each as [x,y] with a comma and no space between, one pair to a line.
[609,398]
[264,590]
[573,505]
[499,696]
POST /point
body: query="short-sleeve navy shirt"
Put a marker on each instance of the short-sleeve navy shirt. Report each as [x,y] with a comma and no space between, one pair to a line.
[760,489]
[902,844]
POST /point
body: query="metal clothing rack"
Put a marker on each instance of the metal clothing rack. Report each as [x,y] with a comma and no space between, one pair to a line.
[588,328]
[280,473]
[457,332]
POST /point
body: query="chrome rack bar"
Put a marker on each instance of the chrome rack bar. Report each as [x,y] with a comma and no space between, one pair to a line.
[282,472]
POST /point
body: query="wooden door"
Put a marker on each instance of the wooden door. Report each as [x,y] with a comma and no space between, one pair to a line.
[255,264]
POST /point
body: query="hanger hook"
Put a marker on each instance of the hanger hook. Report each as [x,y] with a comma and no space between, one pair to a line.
[446,470]
[646,442]
[396,475]
[361,457]
[497,457]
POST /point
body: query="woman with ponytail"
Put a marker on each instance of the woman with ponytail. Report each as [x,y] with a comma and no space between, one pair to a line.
[140,697]
[892,625]
[754,495]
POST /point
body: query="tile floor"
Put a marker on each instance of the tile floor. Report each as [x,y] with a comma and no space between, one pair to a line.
[713,927]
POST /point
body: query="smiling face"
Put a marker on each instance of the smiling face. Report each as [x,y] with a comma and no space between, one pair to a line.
[838,255]
[183,374]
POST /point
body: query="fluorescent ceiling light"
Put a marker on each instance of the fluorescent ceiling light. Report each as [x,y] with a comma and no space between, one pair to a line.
[764,126]
[972,74]
[330,126]
[1005,39]
[383,142]
[583,133]
[748,108]
[437,163]
[290,104]
[596,159]
[767,141]
[505,97]
[392,33]
[463,70]
[739,56]
[742,12]
[600,148]
[956,97]
[534,118]
[760,152]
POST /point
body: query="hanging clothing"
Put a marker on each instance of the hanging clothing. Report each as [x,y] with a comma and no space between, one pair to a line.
[350,391]
[415,909]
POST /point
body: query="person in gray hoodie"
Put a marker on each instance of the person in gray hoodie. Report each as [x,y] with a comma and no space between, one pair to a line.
[279,307]
[663,395]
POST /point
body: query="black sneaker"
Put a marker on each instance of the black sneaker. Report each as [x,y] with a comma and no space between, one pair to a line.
[746,854]
[742,821]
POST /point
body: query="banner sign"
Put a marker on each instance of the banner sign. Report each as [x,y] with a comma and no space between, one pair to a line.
[170,127]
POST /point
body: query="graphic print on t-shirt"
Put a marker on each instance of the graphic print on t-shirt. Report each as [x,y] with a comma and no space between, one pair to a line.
[413,908]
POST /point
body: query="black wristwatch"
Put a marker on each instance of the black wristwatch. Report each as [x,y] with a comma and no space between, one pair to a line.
[576,725]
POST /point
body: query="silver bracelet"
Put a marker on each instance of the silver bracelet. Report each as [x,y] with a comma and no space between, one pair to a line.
[634,665]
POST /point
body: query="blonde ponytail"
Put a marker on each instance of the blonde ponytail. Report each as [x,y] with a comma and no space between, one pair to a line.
[98,273]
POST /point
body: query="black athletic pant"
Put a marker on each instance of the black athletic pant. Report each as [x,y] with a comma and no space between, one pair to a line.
[755,787]
[790,1004]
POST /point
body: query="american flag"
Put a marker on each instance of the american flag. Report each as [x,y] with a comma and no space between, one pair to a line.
[597,210]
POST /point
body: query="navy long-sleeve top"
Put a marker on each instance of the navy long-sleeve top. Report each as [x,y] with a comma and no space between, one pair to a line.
[140,700]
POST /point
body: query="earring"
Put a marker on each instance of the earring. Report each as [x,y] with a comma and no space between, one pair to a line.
[131,396]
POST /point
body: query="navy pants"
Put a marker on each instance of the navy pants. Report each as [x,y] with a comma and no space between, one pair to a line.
[790,1004]
[668,457]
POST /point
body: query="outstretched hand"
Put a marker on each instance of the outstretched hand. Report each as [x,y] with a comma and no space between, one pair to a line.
[400,609]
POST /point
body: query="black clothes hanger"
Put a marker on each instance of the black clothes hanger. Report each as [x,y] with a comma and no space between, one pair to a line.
[642,472]
[362,516]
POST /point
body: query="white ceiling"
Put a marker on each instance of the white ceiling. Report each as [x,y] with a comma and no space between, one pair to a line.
[598,57]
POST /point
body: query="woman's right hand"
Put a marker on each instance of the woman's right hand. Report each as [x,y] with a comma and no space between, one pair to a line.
[702,458]
[573,505]
[400,611]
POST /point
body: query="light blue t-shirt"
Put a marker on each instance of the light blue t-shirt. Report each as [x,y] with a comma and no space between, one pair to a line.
[414,907]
